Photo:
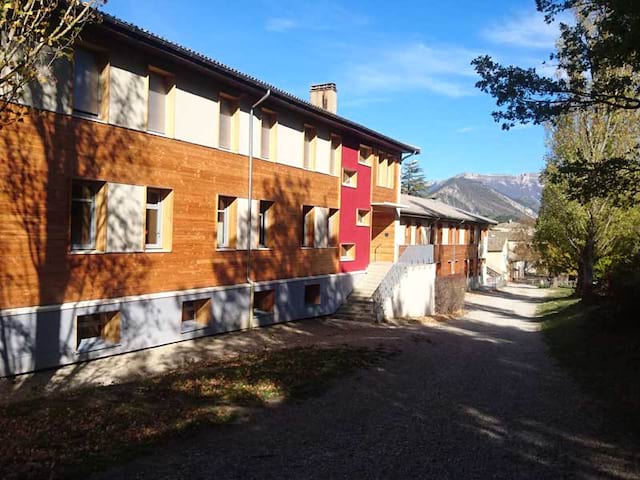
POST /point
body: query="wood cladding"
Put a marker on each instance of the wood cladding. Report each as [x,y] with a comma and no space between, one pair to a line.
[41,156]
[383,235]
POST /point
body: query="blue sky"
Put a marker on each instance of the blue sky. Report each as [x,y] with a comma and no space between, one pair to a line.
[402,68]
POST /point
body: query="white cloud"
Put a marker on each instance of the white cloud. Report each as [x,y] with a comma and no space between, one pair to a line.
[279,24]
[468,129]
[528,30]
[317,16]
[442,70]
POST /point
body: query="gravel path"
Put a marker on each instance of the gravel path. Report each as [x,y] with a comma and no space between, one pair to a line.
[477,397]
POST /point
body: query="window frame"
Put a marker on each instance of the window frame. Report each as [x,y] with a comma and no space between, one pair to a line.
[352,178]
[271,135]
[103,81]
[169,82]
[367,160]
[308,222]
[348,248]
[264,223]
[335,154]
[309,147]
[367,217]
[106,327]
[226,220]
[93,218]
[159,208]
[312,294]
[233,128]
[202,315]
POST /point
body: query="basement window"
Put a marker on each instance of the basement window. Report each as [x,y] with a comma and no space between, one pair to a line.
[196,314]
[347,251]
[312,294]
[97,330]
[263,303]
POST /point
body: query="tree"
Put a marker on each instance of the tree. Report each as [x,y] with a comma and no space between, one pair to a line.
[604,39]
[413,181]
[599,62]
[584,236]
[33,35]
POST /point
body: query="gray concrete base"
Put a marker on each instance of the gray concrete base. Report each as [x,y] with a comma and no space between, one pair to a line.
[45,337]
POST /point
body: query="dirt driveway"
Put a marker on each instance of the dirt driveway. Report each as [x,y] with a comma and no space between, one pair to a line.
[477,397]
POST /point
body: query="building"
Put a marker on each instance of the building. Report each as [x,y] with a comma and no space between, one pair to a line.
[154,195]
[498,257]
[459,238]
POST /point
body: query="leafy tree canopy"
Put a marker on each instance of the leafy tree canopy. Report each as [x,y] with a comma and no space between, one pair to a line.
[598,61]
[604,38]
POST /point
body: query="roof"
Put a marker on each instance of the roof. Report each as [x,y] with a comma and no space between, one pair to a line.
[132,32]
[431,208]
[497,240]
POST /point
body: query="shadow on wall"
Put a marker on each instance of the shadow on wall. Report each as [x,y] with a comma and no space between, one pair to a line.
[41,156]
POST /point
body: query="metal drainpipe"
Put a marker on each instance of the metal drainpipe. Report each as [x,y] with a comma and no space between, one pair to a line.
[250,195]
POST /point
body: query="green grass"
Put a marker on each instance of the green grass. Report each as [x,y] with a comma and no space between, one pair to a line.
[71,434]
[557,299]
[600,347]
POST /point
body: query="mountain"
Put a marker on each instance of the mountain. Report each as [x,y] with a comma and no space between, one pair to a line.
[501,197]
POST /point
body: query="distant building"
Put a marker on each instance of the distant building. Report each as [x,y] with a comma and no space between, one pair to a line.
[459,238]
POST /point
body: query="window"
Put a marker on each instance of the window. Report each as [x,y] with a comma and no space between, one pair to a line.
[349,178]
[335,155]
[159,87]
[383,170]
[84,214]
[407,234]
[312,294]
[333,227]
[153,225]
[364,155]
[263,303]
[362,217]
[196,314]
[309,147]
[391,172]
[222,233]
[267,131]
[347,251]
[264,222]
[88,85]
[228,108]
[307,226]
[97,330]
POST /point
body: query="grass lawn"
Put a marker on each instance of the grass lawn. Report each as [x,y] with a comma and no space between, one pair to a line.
[71,434]
[599,346]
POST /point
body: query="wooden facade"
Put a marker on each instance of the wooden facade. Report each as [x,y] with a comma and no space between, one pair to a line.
[41,157]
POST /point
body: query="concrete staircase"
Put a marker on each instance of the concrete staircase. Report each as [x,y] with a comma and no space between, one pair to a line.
[359,305]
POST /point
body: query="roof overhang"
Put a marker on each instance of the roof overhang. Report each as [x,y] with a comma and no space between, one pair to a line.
[388,205]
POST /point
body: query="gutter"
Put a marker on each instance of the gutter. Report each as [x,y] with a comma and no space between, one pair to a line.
[250,206]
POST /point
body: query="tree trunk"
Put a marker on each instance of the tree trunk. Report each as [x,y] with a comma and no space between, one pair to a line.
[586,269]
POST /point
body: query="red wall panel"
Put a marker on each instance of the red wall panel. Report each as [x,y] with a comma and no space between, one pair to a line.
[351,200]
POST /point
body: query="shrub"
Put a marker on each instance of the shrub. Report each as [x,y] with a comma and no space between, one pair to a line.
[450,292]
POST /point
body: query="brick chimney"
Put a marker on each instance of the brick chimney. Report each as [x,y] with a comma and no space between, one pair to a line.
[325,95]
